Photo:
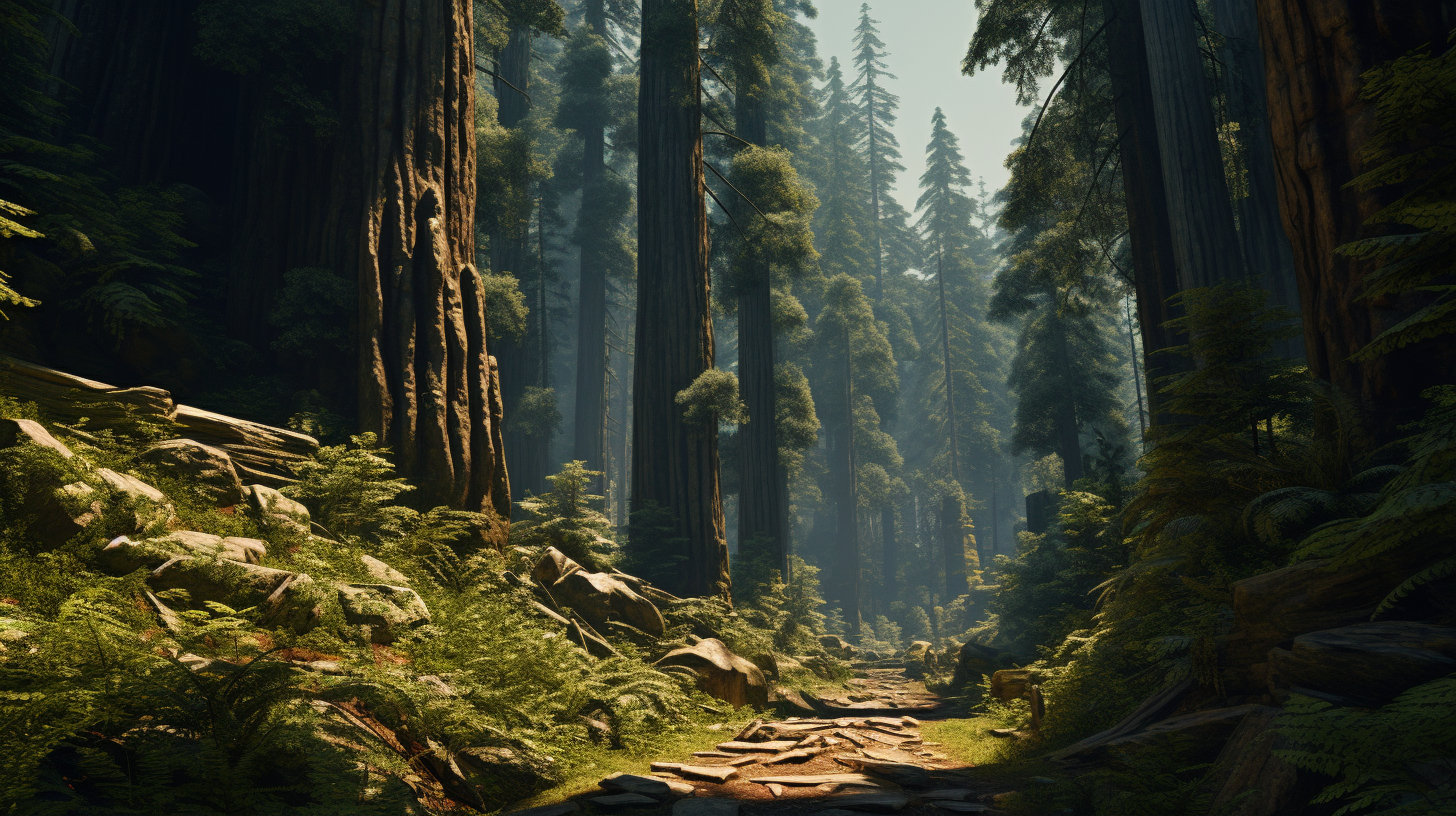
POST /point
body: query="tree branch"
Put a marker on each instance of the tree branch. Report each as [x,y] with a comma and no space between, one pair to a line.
[1080,54]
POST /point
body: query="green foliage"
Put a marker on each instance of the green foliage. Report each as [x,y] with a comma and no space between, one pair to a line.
[711,399]
[350,489]
[655,551]
[566,518]
[773,229]
[1410,151]
[313,314]
[14,229]
[1393,761]
[536,413]
[795,422]
[505,305]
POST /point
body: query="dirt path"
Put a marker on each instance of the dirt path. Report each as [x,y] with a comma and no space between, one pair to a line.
[863,754]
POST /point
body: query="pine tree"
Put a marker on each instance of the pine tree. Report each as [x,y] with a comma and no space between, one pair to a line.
[876,109]
[843,226]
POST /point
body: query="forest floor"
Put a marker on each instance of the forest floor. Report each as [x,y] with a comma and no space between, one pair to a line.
[886,746]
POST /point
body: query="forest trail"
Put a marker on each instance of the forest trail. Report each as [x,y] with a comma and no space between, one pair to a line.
[864,754]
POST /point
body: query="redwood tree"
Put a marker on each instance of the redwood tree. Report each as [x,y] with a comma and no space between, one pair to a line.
[1314,54]
[674,462]
[376,183]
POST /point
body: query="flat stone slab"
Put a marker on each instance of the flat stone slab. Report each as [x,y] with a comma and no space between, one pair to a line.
[712,773]
[631,783]
[810,780]
[745,747]
[624,800]
[705,807]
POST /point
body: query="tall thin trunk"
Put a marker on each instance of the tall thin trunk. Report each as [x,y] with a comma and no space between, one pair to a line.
[875,194]
[760,515]
[950,409]
[510,254]
[1205,240]
[889,557]
[1068,439]
[1155,268]
[674,465]
[589,442]
[846,558]
[1315,52]
[953,545]
[1137,377]
[1261,231]
[995,520]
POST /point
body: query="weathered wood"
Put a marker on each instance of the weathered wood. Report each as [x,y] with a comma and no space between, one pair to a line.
[810,780]
[713,773]
[1155,708]
[768,747]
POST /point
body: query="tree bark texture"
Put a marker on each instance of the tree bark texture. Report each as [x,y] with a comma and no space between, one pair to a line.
[386,200]
[1205,240]
[1261,230]
[889,558]
[761,532]
[953,546]
[844,554]
[674,465]
[1315,52]
[1155,268]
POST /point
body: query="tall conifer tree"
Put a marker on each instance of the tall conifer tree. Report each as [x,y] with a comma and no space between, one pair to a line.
[877,107]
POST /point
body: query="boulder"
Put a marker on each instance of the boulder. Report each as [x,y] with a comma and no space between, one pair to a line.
[837,646]
[285,598]
[386,611]
[274,509]
[597,596]
[15,432]
[148,507]
[1012,684]
[206,469]
[974,662]
[1367,664]
[509,772]
[1311,596]
[721,673]
[123,556]
[382,572]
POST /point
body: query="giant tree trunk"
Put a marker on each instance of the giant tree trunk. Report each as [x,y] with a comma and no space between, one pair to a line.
[1261,232]
[589,433]
[387,200]
[1155,267]
[843,555]
[953,545]
[889,558]
[1205,241]
[674,465]
[761,531]
[1315,51]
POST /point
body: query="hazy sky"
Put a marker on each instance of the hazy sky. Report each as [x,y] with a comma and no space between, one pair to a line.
[925,41]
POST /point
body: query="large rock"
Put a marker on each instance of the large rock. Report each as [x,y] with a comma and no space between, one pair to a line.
[276,510]
[838,646]
[22,431]
[974,662]
[386,612]
[508,773]
[45,496]
[123,556]
[721,673]
[1312,596]
[284,598]
[1012,684]
[206,469]
[147,506]
[382,572]
[1367,664]
[596,596]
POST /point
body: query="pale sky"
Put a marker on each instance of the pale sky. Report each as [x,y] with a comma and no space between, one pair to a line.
[925,41]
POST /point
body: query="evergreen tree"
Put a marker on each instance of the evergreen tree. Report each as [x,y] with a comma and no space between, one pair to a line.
[843,226]
[876,115]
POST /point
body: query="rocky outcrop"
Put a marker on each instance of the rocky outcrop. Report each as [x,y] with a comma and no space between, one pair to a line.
[207,470]
[275,510]
[260,453]
[1367,664]
[15,432]
[1312,596]
[283,598]
[838,647]
[123,556]
[53,507]
[721,673]
[382,572]
[597,596]
[974,662]
[384,612]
